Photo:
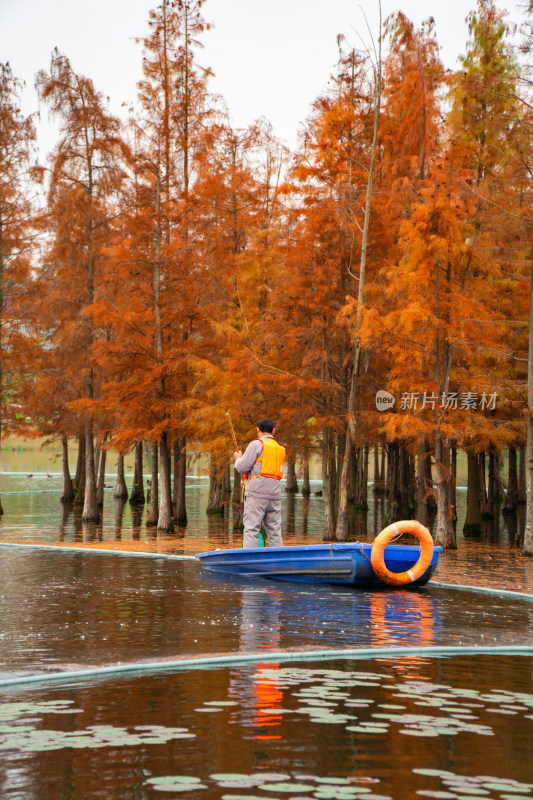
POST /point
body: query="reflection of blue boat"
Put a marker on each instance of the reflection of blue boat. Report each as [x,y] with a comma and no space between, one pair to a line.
[345,563]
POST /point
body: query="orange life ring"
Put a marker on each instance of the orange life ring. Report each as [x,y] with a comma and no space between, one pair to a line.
[377,556]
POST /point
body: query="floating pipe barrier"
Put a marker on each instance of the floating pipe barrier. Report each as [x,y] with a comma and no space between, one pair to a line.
[483,590]
[281,656]
[99,550]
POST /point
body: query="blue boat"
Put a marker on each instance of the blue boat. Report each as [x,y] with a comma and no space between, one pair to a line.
[342,563]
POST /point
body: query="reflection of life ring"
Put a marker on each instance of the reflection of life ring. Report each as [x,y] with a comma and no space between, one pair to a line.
[377,556]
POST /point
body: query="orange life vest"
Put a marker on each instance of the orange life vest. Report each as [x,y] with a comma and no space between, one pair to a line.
[272,459]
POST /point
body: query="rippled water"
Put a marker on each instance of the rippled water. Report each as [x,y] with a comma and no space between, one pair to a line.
[383,730]
[397,728]
[67,610]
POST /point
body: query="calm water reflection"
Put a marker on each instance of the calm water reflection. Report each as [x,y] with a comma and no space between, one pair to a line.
[388,730]
[64,610]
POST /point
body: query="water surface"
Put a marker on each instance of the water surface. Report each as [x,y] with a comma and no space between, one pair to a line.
[340,730]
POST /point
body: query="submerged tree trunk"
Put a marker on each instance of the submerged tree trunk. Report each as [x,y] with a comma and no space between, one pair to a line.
[306,485]
[237,504]
[180,477]
[482,482]
[406,502]
[164,521]
[491,492]
[522,475]
[361,478]
[216,499]
[399,482]
[153,508]
[328,478]
[453,486]
[236,495]
[422,489]
[79,480]
[67,495]
[291,484]
[445,533]
[472,522]
[379,470]
[511,497]
[90,505]
[121,490]
[101,479]
[137,490]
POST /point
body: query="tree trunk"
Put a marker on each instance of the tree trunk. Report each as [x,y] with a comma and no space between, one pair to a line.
[153,508]
[361,478]
[237,505]
[236,495]
[180,477]
[96,463]
[291,484]
[522,476]
[431,497]
[67,495]
[121,490]
[511,497]
[90,505]
[101,479]
[472,522]
[399,482]
[445,534]
[164,521]
[364,478]
[379,470]
[453,486]
[216,499]
[137,490]
[528,535]
[383,470]
[492,483]
[354,477]
[341,531]
[405,483]
[422,488]
[482,482]
[499,485]
[227,484]
[328,478]
[306,486]
[79,480]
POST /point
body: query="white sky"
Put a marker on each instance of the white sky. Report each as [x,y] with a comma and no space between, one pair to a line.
[271,58]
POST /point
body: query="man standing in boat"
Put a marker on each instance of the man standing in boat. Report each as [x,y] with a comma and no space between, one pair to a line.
[262,463]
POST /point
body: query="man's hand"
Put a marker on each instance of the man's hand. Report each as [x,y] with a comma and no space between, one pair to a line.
[237,455]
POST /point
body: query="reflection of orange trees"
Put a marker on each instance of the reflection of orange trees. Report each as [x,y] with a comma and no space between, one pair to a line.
[405,618]
[268,698]
[413,668]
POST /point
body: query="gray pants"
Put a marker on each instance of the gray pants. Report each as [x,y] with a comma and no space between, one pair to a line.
[262,511]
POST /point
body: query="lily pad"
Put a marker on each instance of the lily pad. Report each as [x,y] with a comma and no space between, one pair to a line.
[437,773]
[287,787]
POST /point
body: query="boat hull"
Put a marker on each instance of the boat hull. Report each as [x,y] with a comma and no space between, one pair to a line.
[343,563]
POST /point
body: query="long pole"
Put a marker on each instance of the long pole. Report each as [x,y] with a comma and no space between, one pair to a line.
[232,432]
